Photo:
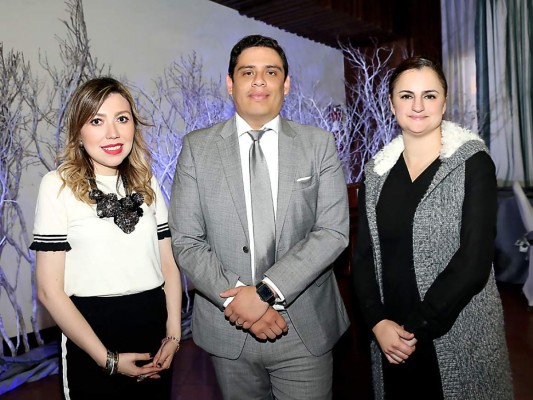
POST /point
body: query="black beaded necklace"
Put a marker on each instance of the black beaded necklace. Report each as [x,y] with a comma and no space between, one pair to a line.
[126,211]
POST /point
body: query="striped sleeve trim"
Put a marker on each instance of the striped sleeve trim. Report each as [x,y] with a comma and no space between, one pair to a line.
[50,243]
[163,231]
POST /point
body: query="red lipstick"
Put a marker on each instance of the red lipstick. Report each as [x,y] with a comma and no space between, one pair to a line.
[113,149]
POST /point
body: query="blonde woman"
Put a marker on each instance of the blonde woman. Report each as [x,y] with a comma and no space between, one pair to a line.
[105,269]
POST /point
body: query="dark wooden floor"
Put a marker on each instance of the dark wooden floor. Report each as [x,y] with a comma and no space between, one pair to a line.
[194,376]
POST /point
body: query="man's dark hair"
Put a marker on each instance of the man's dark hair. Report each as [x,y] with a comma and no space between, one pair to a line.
[256,41]
[417,62]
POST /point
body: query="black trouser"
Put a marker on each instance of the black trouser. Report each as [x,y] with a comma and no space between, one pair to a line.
[127,324]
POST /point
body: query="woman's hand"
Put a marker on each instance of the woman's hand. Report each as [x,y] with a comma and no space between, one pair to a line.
[169,346]
[396,343]
[128,364]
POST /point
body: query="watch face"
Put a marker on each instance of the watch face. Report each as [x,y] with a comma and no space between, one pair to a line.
[265,293]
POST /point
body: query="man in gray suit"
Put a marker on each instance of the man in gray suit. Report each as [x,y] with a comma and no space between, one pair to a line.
[270,330]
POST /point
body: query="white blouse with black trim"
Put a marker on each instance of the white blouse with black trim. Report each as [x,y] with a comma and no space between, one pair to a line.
[100,259]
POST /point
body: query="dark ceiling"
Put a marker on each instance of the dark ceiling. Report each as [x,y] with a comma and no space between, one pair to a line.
[359,22]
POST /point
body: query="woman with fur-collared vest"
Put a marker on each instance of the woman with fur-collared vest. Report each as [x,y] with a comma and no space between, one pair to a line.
[423,264]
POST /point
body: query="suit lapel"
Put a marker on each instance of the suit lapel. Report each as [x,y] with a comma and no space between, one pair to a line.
[287,167]
[228,148]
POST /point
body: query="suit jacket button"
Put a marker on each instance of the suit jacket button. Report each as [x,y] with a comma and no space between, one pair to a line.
[245,249]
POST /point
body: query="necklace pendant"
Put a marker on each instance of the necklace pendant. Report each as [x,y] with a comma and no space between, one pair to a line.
[127,220]
[125,212]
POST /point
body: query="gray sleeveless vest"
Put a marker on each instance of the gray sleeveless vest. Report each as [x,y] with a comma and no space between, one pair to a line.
[472,356]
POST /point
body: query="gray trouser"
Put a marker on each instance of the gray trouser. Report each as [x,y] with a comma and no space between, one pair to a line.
[283,370]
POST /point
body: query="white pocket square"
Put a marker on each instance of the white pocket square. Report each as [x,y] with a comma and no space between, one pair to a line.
[304,179]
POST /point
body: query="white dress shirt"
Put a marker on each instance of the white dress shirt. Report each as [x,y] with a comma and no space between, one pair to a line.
[269,146]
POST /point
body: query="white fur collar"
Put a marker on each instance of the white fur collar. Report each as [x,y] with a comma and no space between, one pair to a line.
[453,137]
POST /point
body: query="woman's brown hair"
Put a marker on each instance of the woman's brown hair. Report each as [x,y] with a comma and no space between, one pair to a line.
[417,62]
[76,167]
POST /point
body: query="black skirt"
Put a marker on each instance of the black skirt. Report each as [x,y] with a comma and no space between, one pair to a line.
[127,324]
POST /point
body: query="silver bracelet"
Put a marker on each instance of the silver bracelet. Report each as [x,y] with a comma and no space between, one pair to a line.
[111,364]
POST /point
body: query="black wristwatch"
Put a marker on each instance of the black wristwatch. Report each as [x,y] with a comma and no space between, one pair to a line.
[265,293]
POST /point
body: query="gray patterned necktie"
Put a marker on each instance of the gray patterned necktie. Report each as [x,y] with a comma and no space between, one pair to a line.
[262,208]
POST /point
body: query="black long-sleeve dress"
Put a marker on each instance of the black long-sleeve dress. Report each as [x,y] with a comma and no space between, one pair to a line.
[433,316]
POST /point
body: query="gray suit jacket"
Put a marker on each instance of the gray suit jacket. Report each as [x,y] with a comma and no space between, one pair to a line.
[210,232]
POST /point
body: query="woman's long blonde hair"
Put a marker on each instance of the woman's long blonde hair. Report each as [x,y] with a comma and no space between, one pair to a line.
[76,166]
